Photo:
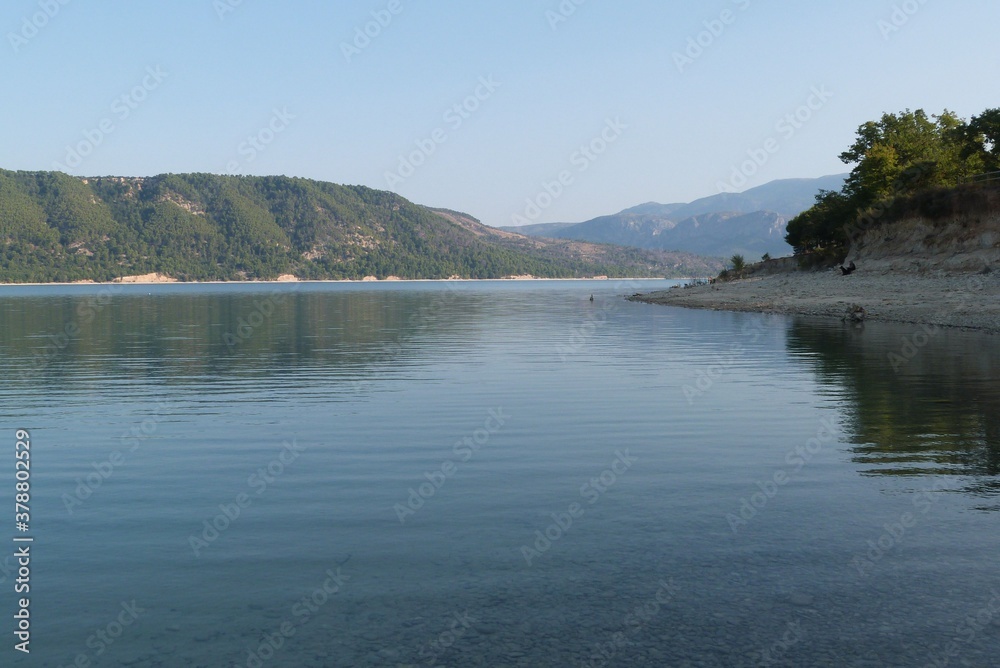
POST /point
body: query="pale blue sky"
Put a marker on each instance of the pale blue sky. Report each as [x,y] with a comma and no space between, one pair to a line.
[349,119]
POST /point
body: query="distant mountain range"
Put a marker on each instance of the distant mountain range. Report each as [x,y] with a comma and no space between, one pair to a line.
[197,227]
[750,223]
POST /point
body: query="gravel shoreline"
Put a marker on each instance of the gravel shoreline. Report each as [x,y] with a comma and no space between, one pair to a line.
[970,301]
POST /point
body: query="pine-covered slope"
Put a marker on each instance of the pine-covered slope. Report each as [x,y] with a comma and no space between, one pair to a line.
[55,227]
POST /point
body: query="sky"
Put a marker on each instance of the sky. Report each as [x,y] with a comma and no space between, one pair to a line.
[516,112]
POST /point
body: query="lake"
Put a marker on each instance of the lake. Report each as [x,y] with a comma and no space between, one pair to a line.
[493,474]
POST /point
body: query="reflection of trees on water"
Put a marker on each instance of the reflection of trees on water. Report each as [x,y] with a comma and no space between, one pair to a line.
[49,341]
[919,405]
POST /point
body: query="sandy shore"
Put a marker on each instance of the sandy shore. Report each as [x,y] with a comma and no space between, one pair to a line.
[956,300]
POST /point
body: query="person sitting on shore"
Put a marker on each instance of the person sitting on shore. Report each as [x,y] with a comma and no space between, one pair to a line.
[849,269]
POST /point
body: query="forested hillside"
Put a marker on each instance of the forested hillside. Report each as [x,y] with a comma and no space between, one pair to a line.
[54,227]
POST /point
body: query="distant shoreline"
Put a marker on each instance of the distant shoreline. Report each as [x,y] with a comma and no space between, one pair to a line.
[343,280]
[964,300]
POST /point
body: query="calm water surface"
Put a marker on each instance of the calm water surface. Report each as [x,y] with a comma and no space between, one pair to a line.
[494,474]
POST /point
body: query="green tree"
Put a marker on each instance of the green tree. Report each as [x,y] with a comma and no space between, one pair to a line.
[823,224]
[884,149]
[982,140]
[739,263]
[896,156]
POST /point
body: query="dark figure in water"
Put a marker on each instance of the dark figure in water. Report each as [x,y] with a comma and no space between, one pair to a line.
[591,297]
[849,269]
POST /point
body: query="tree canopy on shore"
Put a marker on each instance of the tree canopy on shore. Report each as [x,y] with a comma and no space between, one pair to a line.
[897,156]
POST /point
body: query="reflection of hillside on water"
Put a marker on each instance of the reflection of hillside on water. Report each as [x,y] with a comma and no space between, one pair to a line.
[47,340]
